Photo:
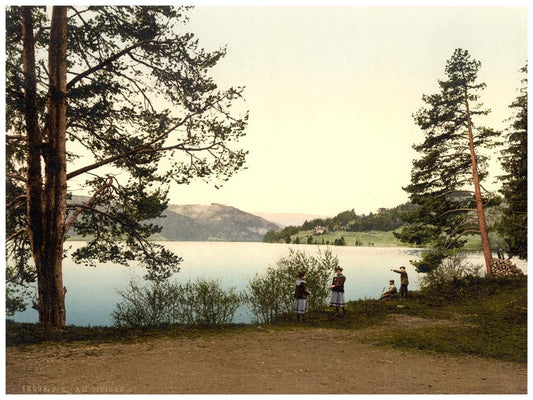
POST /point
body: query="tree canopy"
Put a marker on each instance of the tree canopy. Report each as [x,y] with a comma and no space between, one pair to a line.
[141,112]
[442,182]
[513,225]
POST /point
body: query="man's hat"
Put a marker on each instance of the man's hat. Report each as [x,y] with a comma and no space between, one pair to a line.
[391,281]
[339,268]
[402,267]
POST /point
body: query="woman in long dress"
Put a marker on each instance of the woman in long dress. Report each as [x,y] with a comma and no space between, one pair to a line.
[300,296]
[337,291]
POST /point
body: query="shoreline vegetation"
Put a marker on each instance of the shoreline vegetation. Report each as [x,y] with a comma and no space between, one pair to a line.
[479,316]
[362,239]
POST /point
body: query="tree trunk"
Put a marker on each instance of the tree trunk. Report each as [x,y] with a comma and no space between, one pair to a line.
[34,179]
[487,253]
[49,257]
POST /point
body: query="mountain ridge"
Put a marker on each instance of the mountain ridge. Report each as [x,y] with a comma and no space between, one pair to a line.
[214,222]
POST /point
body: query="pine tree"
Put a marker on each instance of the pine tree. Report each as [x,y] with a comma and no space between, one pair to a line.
[513,225]
[117,101]
[445,180]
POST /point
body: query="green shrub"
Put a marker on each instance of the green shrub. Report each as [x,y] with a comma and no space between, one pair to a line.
[145,305]
[202,302]
[340,242]
[452,268]
[272,294]
[205,302]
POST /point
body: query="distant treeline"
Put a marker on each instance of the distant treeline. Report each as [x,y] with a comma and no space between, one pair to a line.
[346,221]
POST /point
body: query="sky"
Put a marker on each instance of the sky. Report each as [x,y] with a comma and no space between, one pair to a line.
[331,91]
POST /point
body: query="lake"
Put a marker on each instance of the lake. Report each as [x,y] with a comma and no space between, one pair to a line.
[92,292]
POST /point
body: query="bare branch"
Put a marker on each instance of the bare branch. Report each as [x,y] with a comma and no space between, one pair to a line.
[143,62]
[181,146]
[136,84]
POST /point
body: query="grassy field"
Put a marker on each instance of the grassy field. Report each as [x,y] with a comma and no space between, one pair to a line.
[369,239]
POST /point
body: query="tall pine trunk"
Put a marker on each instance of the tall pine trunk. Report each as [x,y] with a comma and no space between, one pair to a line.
[47,206]
[487,253]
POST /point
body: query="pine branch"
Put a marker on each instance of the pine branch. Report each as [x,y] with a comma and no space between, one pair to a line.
[17,137]
[102,64]
[16,199]
[132,231]
[454,191]
[456,210]
[146,147]
[16,176]
[89,203]
[16,234]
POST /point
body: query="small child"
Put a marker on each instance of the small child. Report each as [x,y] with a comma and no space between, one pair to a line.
[300,296]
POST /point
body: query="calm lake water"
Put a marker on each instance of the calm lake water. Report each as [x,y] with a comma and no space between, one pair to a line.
[92,292]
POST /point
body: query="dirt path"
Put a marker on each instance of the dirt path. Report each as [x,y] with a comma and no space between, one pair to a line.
[255,362]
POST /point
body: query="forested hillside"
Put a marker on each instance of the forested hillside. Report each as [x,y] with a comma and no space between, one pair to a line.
[347,221]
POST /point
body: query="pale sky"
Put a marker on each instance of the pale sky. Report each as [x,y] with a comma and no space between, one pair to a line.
[331,91]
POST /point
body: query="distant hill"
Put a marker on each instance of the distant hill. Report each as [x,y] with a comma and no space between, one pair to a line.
[212,222]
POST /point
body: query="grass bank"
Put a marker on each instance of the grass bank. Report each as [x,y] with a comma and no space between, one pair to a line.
[488,318]
[368,239]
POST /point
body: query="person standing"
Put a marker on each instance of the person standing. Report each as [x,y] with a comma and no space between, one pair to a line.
[337,291]
[300,296]
[404,281]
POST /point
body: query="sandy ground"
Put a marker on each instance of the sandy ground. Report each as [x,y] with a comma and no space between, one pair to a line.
[264,361]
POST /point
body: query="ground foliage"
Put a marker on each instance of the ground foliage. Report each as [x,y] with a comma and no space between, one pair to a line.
[202,302]
[488,318]
[271,295]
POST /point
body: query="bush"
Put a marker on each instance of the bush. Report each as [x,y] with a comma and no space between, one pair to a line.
[453,268]
[265,295]
[145,305]
[272,294]
[340,242]
[202,302]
